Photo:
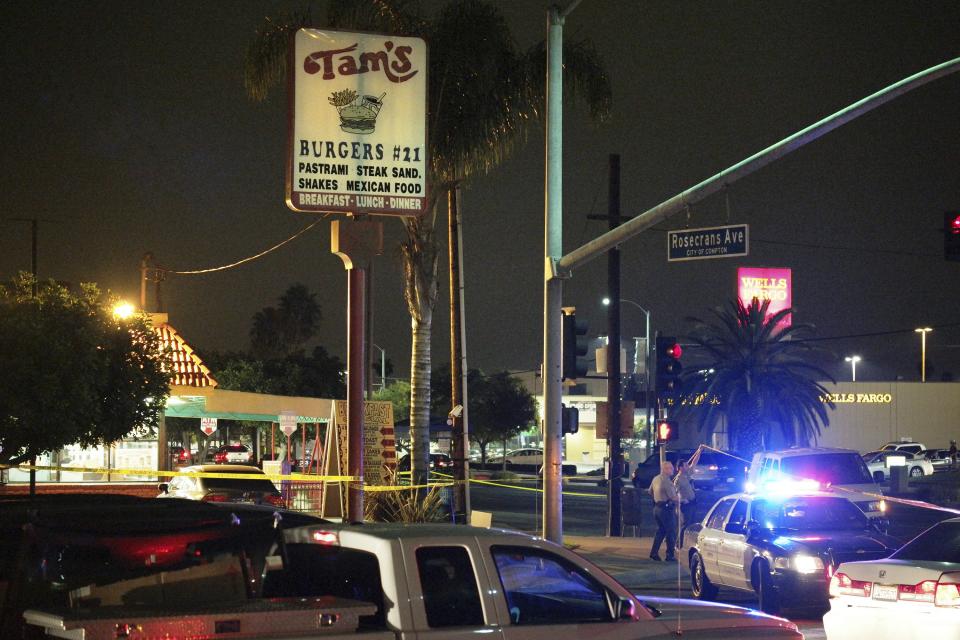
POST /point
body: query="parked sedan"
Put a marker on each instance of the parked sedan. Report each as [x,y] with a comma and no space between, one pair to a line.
[246,487]
[913,594]
[233,454]
[917,466]
[438,462]
[780,546]
[939,458]
[525,456]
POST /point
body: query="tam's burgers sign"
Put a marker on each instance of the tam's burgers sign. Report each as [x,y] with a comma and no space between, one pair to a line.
[358,129]
[764,284]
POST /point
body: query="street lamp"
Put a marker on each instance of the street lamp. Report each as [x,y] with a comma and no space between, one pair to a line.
[923,331]
[853,360]
[383,366]
[646,360]
[123,310]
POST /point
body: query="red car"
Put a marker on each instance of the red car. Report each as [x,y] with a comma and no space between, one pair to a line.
[180,456]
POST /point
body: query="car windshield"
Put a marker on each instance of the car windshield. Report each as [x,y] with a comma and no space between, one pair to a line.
[808,514]
[832,468]
[939,543]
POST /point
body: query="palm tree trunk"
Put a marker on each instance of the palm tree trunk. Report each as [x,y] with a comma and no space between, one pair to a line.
[420,361]
[419,254]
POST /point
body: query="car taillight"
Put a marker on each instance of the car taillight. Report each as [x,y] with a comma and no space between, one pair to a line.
[220,457]
[948,590]
[920,592]
[276,501]
[843,585]
[214,497]
[326,537]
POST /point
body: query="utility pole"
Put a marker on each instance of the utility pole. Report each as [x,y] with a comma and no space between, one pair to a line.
[458,363]
[614,487]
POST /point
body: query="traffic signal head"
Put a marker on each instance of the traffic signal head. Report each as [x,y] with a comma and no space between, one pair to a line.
[668,367]
[666,431]
[951,236]
[570,420]
[574,346]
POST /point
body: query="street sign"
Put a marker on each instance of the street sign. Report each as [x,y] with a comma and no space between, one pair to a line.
[358,123]
[288,422]
[208,425]
[708,242]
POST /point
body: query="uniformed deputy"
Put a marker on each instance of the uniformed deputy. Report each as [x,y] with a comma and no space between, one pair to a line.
[686,494]
[665,500]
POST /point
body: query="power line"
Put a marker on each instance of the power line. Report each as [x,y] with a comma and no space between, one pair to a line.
[245,260]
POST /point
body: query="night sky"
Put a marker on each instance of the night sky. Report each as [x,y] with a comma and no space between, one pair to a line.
[125,128]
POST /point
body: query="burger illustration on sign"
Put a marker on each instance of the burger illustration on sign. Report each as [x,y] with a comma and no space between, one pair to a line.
[358,114]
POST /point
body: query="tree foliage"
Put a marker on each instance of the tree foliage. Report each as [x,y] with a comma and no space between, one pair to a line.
[498,405]
[73,373]
[280,331]
[760,376]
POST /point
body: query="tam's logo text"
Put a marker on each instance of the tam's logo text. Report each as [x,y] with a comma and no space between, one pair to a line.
[393,61]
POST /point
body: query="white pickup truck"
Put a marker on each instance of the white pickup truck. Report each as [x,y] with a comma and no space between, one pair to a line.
[397,582]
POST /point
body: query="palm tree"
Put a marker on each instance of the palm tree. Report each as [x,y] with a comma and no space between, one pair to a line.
[756,373]
[483,96]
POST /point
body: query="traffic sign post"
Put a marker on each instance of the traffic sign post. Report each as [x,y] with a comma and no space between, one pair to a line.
[208,426]
[288,422]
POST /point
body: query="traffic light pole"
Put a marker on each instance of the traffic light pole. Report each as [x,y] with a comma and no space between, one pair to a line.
[552,284]
[614,486]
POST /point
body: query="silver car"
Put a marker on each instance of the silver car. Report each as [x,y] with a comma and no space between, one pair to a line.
[246,487]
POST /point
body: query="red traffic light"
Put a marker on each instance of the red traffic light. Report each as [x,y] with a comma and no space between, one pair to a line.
[666,431]
[663,431]
[953,226]
[674,351]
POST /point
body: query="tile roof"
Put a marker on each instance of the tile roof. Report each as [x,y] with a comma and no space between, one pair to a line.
[188,368]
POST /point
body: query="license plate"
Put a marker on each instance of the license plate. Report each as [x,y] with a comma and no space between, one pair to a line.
[884,592]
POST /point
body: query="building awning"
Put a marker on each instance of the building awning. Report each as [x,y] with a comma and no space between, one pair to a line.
[190,402]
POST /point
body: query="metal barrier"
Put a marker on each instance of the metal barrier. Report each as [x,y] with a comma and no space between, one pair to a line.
[302,496]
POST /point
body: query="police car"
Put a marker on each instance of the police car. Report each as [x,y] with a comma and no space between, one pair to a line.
[781,543]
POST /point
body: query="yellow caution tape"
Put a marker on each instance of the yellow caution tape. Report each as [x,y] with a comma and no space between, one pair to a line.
[206,474]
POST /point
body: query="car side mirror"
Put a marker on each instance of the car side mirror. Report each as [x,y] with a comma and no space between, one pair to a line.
[622,608]
[882,525]
[735,527]
[163,487]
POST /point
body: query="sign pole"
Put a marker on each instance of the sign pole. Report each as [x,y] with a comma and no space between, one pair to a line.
[356,242]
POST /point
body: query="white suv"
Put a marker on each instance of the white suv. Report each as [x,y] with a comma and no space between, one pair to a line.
[842,470]
[916,448]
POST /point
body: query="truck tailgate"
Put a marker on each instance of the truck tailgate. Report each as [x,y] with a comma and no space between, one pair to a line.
[269,618]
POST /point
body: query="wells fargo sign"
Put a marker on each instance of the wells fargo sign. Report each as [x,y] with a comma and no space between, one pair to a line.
[858,398]
[764,284]
[358,123]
